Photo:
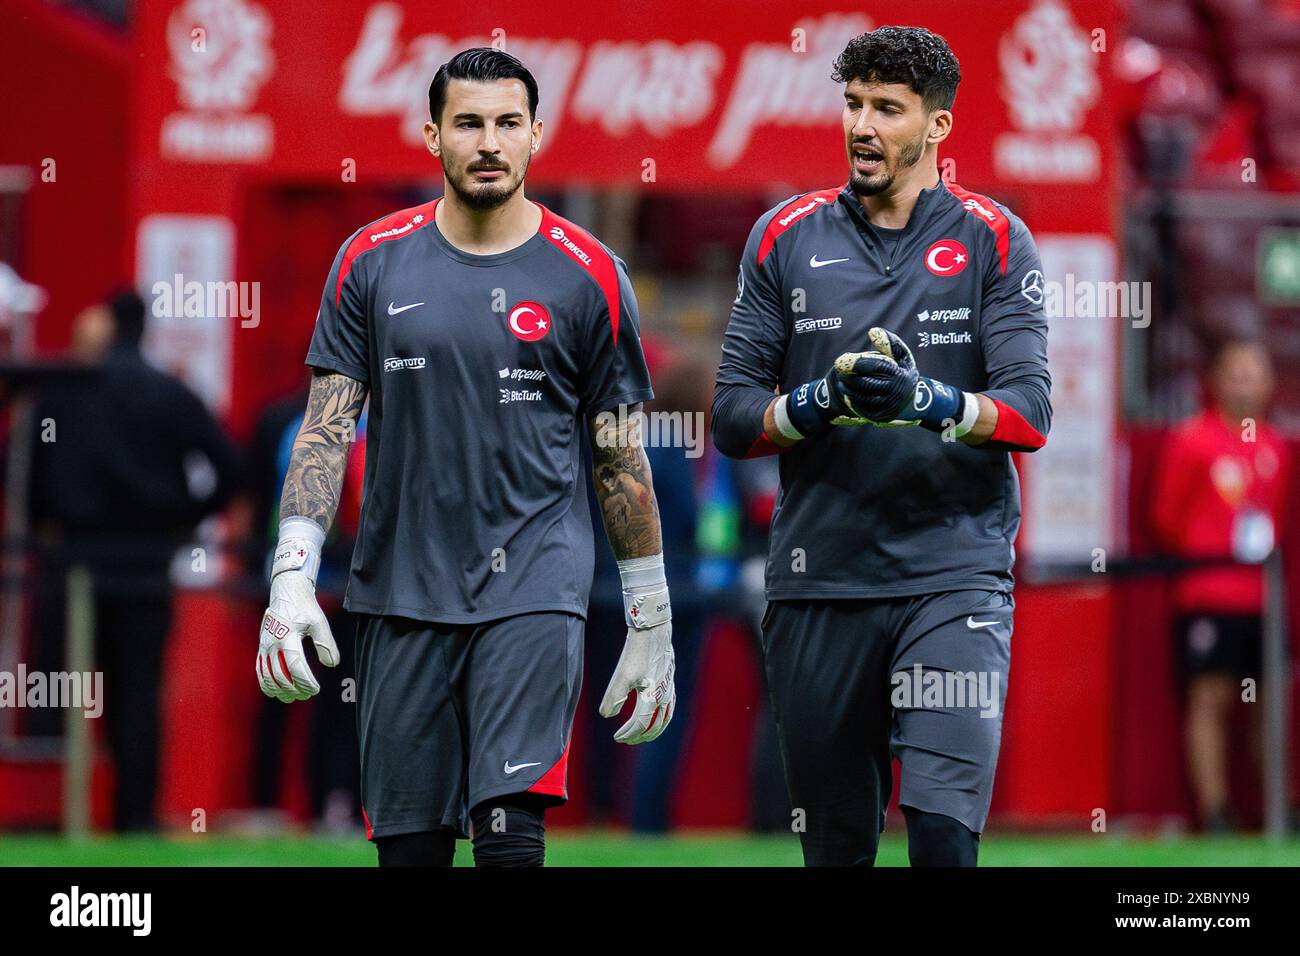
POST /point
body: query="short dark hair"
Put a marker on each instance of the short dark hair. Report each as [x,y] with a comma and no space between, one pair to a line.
[911,55]
[128,311]
[482,64]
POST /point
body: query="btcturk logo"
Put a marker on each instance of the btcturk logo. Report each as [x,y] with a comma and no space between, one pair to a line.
[529,321]
[947,257]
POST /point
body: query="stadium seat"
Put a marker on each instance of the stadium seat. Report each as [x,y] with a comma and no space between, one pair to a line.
[1255,24]
[1230,316]
[1273,77]
[1188,84]
[1217,256]
[1169,24]
[1281,154]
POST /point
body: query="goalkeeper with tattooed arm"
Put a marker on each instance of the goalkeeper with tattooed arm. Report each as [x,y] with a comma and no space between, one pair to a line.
[473,561]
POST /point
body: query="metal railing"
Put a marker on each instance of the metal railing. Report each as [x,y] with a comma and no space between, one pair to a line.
[77,750]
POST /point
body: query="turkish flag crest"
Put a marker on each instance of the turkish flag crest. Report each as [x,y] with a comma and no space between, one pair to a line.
[529,321]
[947,257]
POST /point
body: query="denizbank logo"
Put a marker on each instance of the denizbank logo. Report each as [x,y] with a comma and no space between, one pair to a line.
[801,210]
[397,230]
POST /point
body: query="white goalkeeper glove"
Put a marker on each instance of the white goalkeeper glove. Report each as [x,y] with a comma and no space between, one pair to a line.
[282,669]
[646,664]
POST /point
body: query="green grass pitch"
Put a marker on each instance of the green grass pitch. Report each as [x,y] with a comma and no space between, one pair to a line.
[611,848]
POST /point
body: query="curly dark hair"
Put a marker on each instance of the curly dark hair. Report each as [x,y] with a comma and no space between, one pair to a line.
[911,55]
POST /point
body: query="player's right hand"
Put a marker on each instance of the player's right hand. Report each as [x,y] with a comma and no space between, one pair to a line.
[282,669]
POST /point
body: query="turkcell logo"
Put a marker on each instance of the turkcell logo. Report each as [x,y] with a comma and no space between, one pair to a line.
[927,339]
[944,315]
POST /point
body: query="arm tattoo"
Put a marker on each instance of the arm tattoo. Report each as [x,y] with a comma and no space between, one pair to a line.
[624,487]
[320,452]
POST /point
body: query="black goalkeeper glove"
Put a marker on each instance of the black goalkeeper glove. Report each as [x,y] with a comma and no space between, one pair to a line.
[861,388]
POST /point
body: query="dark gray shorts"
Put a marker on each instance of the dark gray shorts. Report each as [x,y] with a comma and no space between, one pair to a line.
[856,682]
[450,715]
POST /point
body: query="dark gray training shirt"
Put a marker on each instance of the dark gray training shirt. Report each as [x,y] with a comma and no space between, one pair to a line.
[888,512]
[482,370]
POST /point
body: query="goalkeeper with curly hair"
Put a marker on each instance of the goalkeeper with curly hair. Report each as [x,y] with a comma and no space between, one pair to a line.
[898,300]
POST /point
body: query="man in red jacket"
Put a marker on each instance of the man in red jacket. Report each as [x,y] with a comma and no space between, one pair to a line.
[1219,494]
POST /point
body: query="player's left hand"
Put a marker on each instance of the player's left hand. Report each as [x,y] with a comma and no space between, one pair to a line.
[930,403]
[646,666]
[893,383]
[873,385]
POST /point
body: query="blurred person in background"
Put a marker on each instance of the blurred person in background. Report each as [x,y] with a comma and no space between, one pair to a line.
[95,328]
[736,504]
[125,464]
[1219,494]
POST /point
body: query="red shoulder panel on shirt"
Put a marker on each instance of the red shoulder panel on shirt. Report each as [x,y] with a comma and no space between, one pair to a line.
[791,213]
[582,247]
[393,226]
[987,212]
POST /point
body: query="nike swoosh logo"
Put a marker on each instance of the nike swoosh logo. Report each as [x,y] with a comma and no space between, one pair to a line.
[392,311]
[975,625]
[818,263]
[520,766]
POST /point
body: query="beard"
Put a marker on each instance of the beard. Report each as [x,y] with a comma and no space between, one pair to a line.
[908,157]
[485,196]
